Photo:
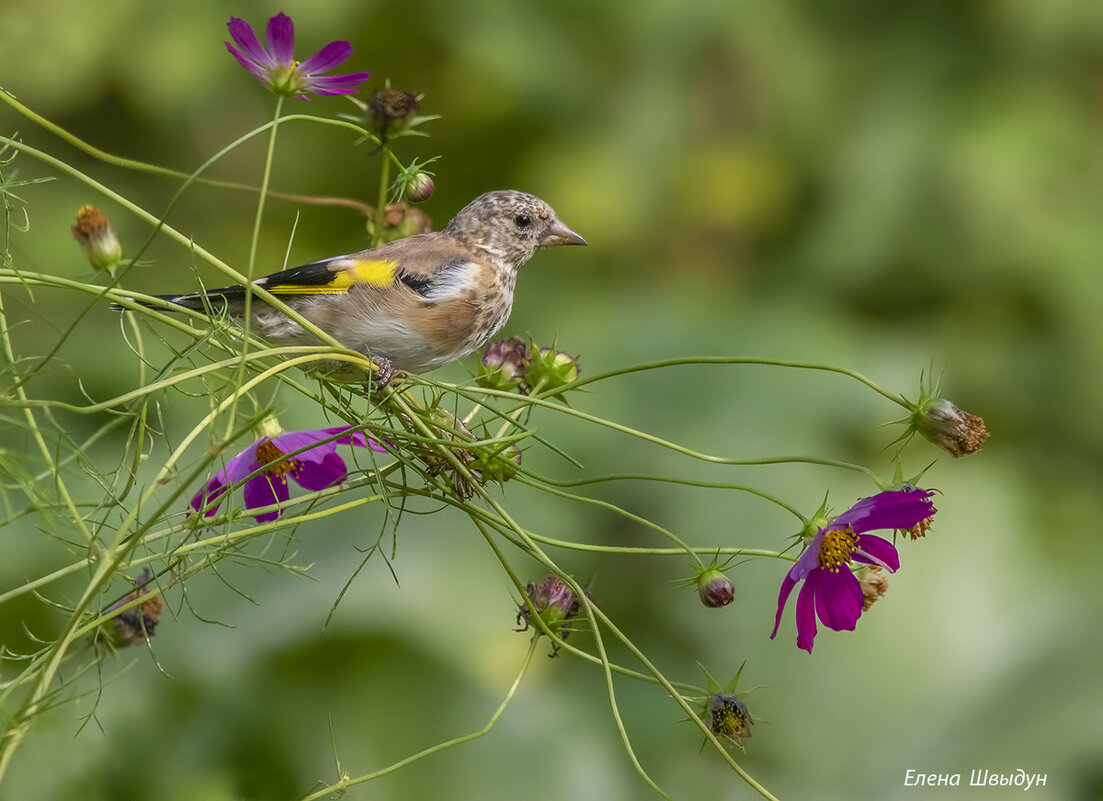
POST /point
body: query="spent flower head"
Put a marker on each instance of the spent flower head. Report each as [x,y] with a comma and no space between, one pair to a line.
[399,221]
[942,423]
[555,603]
[874,584]
[831,591]
[392,107]
[309,458]
[138,623]
[955,430]
[97,238]
[276,67]
[724,711]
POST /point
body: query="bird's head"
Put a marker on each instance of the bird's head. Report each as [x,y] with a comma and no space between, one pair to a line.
[510,226]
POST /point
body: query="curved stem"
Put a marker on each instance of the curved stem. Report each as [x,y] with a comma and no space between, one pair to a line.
[643,521]
[344,783]
[745,360]
[581,482]
[154,169]
[673,446]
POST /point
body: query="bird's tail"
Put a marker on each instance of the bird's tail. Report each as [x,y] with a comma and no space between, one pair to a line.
[227,299]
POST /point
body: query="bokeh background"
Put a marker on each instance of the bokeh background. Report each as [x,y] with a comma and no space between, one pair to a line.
[876,186]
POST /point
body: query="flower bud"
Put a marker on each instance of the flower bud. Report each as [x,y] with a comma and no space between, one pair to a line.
[551,369]
[495,463]
[503,364]
[957,432]
[419,188]
[97,239]
[715,589]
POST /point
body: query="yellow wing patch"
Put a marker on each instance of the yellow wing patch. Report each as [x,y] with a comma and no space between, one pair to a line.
[376,272]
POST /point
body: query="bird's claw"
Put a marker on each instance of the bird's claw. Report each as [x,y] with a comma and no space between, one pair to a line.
[381,376]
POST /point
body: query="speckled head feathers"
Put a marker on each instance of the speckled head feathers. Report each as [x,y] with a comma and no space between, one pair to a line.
[510,226]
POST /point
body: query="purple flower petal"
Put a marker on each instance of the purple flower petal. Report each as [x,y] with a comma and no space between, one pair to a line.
[281,39]
[806,615]
[891,509]
[332,55]
[258,71]
[317,467]
[338,81]
[335,84]
[242,34]
[235,470]
[355,438]
[297,440]
[809,560]
[265,490]
[873,550]
[328,472]
[787,585]
[214,490]
[838,599]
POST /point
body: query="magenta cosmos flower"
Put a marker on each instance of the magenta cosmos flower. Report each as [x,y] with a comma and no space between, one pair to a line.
[318,467]
[831,591]
[276,67]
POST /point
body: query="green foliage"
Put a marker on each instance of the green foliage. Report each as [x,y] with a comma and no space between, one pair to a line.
[861,184]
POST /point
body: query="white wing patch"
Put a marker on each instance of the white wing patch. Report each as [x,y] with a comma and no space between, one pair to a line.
[454,281]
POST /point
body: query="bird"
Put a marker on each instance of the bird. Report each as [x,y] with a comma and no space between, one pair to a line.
[411,305]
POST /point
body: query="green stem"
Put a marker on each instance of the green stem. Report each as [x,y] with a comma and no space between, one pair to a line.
[250,271]
[40,441]
[643,521]
[581,482]
[218,264]
[704,457]
[344,783]
[153,169]
[745,360]
[381,202]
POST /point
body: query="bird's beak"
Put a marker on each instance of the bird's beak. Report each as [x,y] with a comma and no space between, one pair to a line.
[559,234]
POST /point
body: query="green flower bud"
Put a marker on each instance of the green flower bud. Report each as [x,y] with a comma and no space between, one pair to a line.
[496,463]
[419,188]
[551,369]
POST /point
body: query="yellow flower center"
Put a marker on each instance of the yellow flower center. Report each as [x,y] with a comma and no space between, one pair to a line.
[269,456]
[836,547]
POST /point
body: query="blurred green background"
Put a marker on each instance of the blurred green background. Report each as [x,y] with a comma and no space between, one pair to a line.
[871,185]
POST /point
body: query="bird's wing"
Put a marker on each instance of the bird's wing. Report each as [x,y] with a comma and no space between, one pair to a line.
[430,266]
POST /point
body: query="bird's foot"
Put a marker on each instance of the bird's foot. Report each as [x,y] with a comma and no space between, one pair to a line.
[381,376]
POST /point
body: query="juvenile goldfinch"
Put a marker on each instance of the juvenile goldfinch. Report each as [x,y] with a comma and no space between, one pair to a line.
[413,304]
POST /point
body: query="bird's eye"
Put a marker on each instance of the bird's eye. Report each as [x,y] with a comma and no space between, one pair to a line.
[522,220]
